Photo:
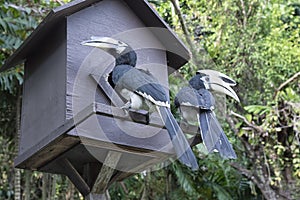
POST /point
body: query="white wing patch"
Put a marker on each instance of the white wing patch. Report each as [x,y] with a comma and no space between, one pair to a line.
[148,97]
[126,93]
[188,104]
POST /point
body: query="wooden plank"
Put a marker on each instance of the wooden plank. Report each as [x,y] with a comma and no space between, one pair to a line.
[146,165]
[125,149]
[55,142]
[46,154]
[139,116]
[153,121]
[43,107]
[74,176]
[106,88]
[140,168]
[51,152]
[107,170]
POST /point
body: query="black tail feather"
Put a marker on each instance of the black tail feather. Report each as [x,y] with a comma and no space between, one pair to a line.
[213,135]
[180,144]
[225,148]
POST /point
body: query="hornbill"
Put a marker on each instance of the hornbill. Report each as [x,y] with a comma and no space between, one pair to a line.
[196,104]
[139,88]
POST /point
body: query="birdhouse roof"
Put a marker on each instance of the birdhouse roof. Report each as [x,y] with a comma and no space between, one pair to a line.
[141,8]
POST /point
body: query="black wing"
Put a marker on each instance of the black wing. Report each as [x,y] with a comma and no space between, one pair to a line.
[141,82]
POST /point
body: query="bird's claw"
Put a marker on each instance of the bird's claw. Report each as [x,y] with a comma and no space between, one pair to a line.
[126,108]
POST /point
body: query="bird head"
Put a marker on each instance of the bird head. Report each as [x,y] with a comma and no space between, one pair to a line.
[123,53]
[217,81]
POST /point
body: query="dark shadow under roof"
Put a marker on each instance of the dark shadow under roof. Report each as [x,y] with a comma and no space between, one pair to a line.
[140,7]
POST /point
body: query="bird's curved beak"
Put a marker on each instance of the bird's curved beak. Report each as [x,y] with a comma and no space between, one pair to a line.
[105,43]
[220,82]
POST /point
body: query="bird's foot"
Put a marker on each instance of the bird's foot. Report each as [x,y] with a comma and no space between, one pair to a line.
[126,108]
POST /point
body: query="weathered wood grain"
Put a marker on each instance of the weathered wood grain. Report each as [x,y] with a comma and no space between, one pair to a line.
[106,172]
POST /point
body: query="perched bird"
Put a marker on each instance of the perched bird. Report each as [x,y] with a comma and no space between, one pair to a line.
[196,104]
[139,87]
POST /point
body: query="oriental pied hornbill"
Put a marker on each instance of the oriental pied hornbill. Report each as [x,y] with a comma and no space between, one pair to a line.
[139,88]
[196,103]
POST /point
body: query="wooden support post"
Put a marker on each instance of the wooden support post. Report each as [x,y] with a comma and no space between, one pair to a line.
[100,186]
[107,89]
[74,176]
[106,172]
[93,196]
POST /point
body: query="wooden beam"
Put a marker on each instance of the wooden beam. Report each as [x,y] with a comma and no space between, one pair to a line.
[137,169]
[48,153]
[106,172]
[155,120]
[93,196]
[38,155]
[106,87]
[126,149]
[74,176]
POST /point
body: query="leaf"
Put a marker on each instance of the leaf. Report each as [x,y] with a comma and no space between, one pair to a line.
[221,193]
[258,109]
[248,117]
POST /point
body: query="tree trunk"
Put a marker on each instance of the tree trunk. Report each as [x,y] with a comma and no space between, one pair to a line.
[45,187]
[17,182]
[27,185]
[53,187]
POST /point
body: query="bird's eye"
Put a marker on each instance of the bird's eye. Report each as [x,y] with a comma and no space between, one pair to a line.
[206,79]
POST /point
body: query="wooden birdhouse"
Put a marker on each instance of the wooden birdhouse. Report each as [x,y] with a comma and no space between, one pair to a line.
[71,121]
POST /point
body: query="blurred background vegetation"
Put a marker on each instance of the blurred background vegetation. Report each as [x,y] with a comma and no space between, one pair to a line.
[255,42]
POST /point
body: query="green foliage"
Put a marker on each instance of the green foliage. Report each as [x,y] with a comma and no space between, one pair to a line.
[9,80]
[6,154]
[215,180]
[275,132]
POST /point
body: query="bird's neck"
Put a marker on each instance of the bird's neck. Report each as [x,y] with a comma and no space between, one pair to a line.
[126,58]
